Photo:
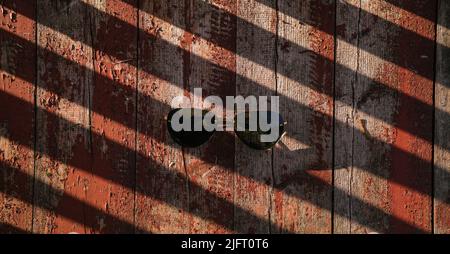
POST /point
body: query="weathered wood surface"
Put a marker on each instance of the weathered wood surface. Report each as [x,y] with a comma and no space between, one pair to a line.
[113,115]
[442,123]
[17,75]
[161,185]
[108,70]
[78,71]
[210,68]
[63,150]
[384,95]
[254,168]
[302,164]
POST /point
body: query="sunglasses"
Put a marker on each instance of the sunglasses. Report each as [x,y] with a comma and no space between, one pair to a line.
[250,135]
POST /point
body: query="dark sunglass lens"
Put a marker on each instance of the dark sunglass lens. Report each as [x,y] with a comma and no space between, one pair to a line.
[259,138]
[196,134]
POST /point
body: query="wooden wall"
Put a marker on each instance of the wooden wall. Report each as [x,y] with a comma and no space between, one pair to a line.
[85,87]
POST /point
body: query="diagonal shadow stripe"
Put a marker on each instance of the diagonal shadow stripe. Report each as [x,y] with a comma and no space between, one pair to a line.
[362,207]
[420,66]
[160,169]
[424,10]
[413,7]
[416,65]
[22,105]
[414,102]
[421,127]
[10,229]
[419,46]
[69,214]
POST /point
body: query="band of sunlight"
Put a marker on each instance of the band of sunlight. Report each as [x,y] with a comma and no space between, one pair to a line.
[260,69]
[248,180]
[263,68]
[400,12]
[68,116]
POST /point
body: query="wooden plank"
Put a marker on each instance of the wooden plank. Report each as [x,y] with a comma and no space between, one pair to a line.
[160,170]
[301,205]
[442,122]
[378,163]
[211,165]
[114,34]
[61,144]
[344,94]
[253,180]
[17,76]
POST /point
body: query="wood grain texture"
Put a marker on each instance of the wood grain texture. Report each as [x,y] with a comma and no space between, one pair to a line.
[63,92]
[105,69]
[113,115]
[383,173]
[161,187]
[442,123]
[17,76]
[211,166]
[301,205]
[254,176]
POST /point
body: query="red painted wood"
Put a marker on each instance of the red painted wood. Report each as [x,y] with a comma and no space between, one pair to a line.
[384,92]
[91,95]
[211,166]
[256,44]
[301,205]
[17,76]
[113,116]
[63,99]
[161,187]
[442,122]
